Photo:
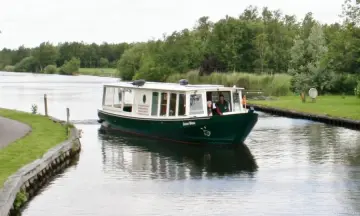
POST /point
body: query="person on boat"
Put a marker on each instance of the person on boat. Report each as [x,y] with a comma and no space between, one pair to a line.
[222,105]
[209,106]
[209,103]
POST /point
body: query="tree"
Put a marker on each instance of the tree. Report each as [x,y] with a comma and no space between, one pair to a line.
[104,62]
[70,67]
[307,64]
[129,63]
[27,64]
[45,54]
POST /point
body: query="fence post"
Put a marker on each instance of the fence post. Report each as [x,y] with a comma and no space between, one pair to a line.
[67,115]
[45,104]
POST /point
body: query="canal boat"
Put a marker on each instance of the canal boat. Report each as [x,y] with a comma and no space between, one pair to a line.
[177,112]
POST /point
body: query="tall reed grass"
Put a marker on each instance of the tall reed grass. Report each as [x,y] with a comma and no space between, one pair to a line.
[274,85]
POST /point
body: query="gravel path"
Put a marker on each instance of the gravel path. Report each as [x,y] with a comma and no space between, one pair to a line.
[11,130]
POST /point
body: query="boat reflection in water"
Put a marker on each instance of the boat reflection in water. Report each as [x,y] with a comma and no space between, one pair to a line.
[140,158]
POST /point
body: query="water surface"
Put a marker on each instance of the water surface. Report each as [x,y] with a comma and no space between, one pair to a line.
[303,167]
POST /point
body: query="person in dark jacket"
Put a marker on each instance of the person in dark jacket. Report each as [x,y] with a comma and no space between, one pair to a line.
[222,105]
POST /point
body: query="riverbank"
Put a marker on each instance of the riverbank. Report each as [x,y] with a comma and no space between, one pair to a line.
[336,110]
[30,162]
[45,134]
[102,72]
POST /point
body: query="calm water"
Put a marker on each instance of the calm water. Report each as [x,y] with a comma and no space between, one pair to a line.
[304,168]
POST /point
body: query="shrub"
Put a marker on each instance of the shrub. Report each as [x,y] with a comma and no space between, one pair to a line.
[357,89]
[104,62]
[9,68]
[50,69]
[343,84]
[70,67]
[27,64]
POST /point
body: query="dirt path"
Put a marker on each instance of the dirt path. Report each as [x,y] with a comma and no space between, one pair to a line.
[11,130]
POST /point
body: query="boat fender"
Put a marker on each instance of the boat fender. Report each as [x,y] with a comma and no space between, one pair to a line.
[251,110]
[183,82]
[139,82]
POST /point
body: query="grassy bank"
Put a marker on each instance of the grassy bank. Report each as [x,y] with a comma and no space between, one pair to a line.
[45,135]
[278,84]
[335,106]
[104,72]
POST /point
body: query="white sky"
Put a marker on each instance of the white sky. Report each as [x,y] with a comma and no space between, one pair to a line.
[30,22]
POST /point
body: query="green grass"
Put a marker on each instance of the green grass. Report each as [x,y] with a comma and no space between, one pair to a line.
[335,106]
[45,134]
[105,72]
[277,84]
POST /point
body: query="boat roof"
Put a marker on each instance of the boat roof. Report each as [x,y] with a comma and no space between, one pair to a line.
[170,86]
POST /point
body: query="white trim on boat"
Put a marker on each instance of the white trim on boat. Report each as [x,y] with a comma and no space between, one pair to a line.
[186,118]
[170,86]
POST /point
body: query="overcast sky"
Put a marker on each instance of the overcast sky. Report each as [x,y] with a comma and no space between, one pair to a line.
[32,22]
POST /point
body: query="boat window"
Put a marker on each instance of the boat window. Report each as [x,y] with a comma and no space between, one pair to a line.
[237,106]
[163,102]
[117,97]
[128,100]
[181,107]
[227,97]
[109,96]
[155,103]
[172,110]
[196,104]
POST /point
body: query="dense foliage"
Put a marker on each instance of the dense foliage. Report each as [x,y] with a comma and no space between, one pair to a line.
[357,90]
[325,56]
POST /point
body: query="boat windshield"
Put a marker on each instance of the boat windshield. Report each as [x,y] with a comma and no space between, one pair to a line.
[220,102]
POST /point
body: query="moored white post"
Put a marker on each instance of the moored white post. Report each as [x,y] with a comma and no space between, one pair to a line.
[67,115]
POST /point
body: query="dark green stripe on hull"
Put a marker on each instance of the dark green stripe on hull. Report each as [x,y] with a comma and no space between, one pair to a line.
[224,130]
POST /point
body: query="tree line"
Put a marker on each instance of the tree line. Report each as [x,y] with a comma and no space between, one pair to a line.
[325,56]
[46,54]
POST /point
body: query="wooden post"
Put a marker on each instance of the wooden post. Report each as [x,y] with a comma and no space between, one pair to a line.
[45,104]
[67,115]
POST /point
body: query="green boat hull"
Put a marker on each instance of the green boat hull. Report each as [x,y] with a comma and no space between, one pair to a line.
[215,130]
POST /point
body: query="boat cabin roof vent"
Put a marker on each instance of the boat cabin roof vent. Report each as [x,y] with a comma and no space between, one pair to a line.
[138,82]
[183,82]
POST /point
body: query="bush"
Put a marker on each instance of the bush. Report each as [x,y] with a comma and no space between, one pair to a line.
[357,89]
[70,67]
[343,84]
[276,85]
[104,62]
[50,69]
[9,68]
[27,64]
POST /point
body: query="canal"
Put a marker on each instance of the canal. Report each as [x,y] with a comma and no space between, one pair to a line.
[289,167]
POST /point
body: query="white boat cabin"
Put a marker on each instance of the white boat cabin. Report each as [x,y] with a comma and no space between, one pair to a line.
[168,100]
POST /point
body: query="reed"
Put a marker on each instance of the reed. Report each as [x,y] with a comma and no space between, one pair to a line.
[274,85]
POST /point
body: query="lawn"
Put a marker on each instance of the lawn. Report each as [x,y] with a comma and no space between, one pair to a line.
[335,106]
[45,135]
[106,72]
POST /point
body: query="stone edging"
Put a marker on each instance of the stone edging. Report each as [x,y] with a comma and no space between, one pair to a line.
[37,171]
[342,122]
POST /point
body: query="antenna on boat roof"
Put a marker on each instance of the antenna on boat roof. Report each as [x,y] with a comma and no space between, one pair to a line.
[139,82]
[183,82]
